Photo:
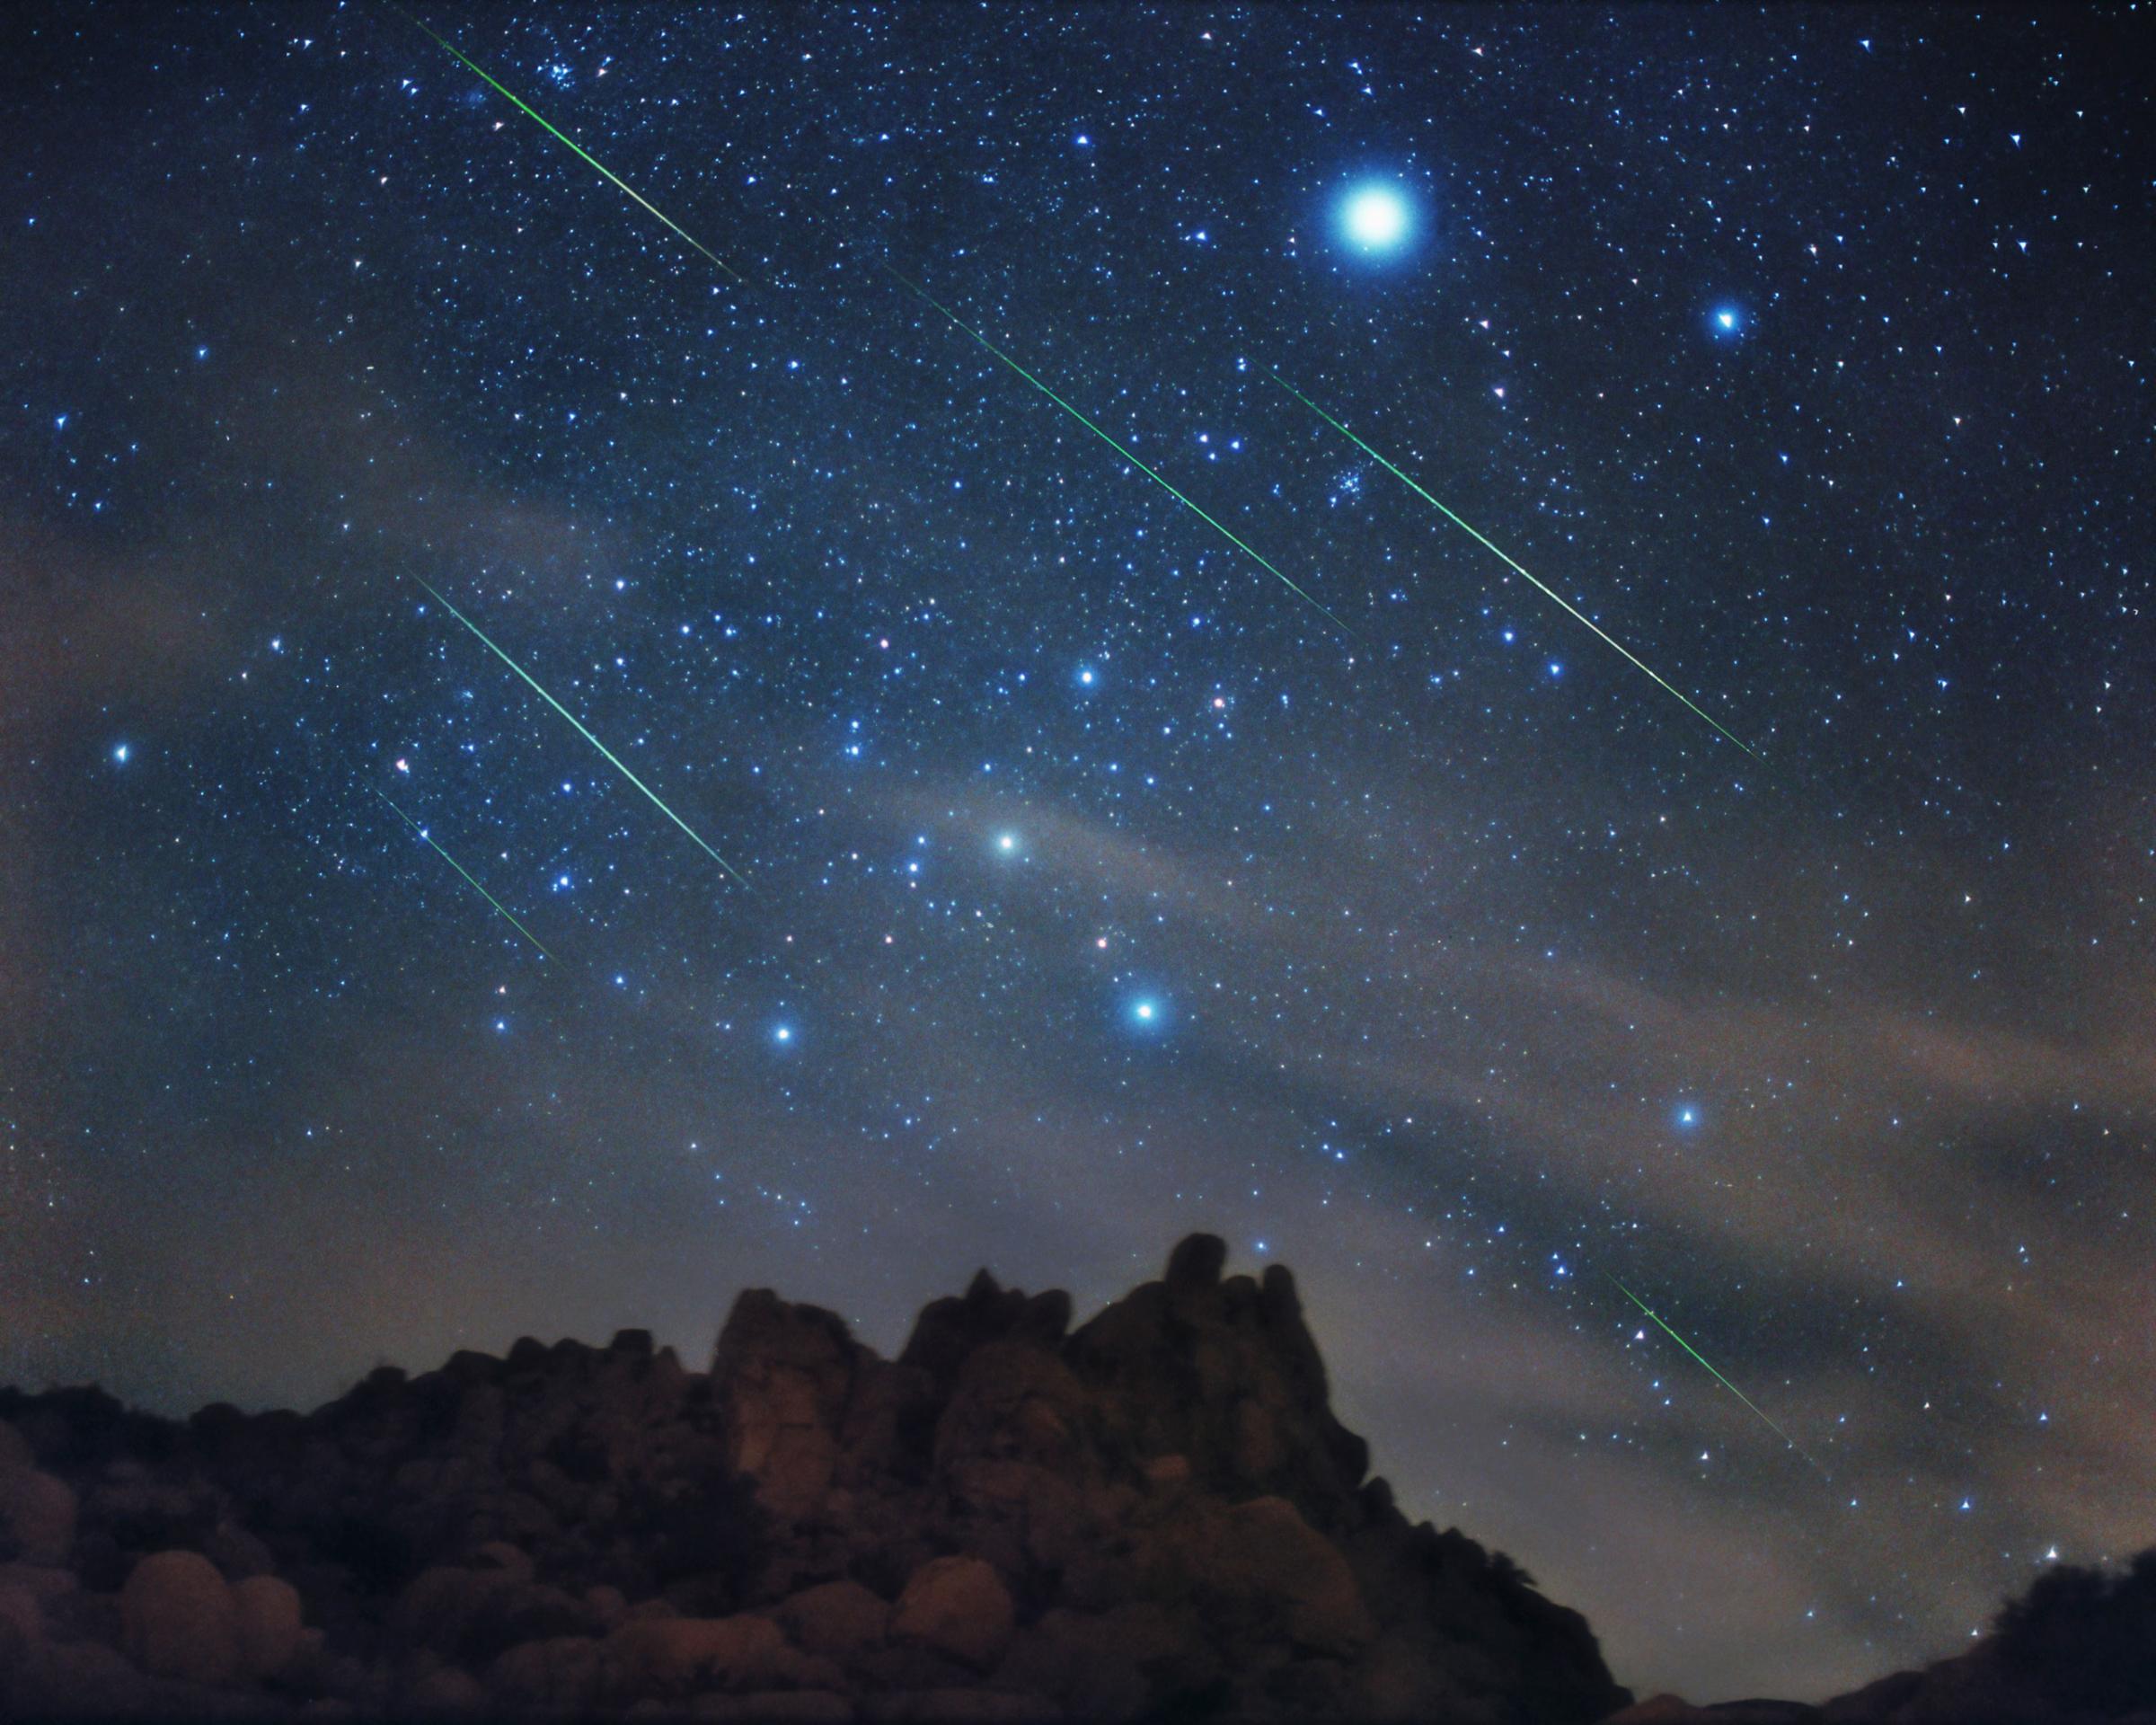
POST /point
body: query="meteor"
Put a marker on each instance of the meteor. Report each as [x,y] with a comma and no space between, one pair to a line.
[620,765]
[1120,448]
[1718,1378]
[608,173]
[1540,587]
[460,868]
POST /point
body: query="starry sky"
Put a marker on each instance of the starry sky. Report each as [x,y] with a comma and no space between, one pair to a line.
[1099,887]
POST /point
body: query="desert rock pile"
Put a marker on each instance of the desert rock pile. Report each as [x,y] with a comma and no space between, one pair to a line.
[1154,1516]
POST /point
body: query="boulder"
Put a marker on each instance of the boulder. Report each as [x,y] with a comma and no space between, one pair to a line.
[22,1632]
[44,1582]
[178,1619]
[1016,1401]
[271,1624]
[562,1674]
[36,1517]
[446,1693]
[782,1375]
[957,1606]
[838,1619]
[960,1707]
[777,1707]
[668,1658]
[1267,1550]
[1195,1265]
[439,1607]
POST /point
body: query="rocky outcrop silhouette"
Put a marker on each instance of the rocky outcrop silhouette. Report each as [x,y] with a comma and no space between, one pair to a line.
[1154,1516]
[2079,1648]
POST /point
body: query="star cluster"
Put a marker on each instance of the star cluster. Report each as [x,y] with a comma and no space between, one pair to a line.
[1100,889]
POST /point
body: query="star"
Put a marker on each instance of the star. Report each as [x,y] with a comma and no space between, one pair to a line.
[1376,217]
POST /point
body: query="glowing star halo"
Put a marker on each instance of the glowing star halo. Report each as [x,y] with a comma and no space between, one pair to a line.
[1376,217]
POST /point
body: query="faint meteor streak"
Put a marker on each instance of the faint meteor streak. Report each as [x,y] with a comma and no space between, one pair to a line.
[460,868]
[1718,1378]
[622,766]
[1540,587]
[1120,448]
[612,178]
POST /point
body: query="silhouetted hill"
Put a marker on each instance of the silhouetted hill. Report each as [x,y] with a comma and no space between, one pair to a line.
[2079,1648]
[1157,1516]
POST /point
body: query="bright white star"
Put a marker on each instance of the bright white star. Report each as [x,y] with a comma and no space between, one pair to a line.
[1375,216]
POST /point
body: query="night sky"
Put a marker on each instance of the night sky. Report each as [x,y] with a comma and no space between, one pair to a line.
[1100,886]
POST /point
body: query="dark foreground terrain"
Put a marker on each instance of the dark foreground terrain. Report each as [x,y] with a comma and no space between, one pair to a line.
[1155,1517]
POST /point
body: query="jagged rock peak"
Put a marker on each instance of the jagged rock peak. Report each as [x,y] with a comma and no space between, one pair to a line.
[1155,1513]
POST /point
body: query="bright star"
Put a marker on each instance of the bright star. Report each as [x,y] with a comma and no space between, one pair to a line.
[1007,842]
[1376,217]
[784,1033]
[1688,1115]
[120,754]
[1727,320]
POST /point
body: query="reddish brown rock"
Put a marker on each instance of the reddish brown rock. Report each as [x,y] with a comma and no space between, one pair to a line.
[178,1619]
[777,1707]
[1162,1500]
[957,1606]
[37,1518]
[1264,1549]
[839,1620]
[782,1376]
[271,1624]
[562,1674]
[672,1658]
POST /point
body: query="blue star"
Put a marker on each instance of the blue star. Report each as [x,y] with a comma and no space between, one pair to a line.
[1376,217]
[120,754]
[782,1035]
[1688,1114]
[1727,322]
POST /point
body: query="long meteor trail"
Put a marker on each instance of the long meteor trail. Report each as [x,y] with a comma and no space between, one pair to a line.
[1120,448]
[1718,1378]
[460,868]
[608,173]
[620,765]
[1540,587]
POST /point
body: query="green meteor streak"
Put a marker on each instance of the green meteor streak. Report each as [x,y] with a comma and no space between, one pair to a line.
[460,868]
[620,765]
[1120,448]
[1540,587]
[1718,1378]
[612,177]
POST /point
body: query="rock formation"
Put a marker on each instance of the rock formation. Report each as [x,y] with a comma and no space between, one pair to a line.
[2079,1648]
[1156,1516]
